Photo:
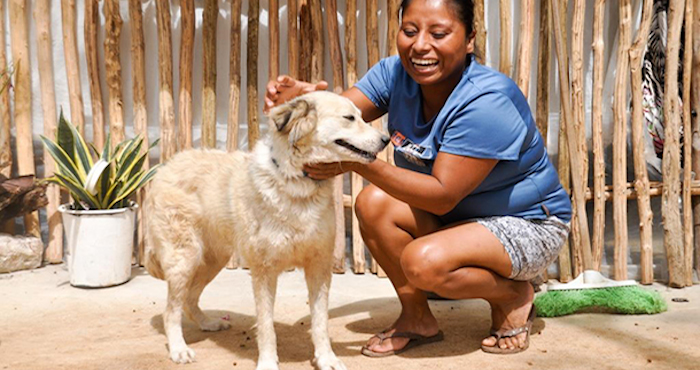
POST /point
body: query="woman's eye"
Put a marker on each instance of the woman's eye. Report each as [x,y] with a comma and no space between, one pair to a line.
[439,35]
[409,33]
[349,118]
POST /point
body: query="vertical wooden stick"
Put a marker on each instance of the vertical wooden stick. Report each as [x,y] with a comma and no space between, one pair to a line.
[305,39]
[165,61]
[113,28]
[597,133]
[392,29]
[317,62]
[527,21]
[338,87]
[695,106]
[620,141]
[641,183]
[186,59]
[571,137]
[480,28]
[5,121]
[673,240]
[138,61]
[356,181]
[70,49]
[293,38]
[92,18]
[505,62]
[210,16]
[234,91]
[19,32]
[564,167]
[687,145]
[252,73]
[274,24]
[545,60]
[42,16]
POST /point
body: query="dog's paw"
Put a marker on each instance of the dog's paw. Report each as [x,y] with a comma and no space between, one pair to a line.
[328,362]
[183,355]
[212,324]
[267,365]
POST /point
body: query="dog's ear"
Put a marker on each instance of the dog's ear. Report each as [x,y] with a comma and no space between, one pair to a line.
[296,118]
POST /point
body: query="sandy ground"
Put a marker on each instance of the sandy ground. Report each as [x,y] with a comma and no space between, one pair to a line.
[47,324]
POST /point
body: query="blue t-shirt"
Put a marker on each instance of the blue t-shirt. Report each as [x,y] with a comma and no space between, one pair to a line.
[485,116]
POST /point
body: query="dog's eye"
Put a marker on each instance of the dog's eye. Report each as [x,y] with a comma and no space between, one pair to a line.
[349,118]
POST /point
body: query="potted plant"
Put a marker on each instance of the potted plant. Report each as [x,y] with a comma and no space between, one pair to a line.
[99,220]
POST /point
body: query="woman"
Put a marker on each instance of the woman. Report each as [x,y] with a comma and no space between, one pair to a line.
[473,208]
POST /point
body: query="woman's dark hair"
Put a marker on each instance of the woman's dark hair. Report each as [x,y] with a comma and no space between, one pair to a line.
[463,8]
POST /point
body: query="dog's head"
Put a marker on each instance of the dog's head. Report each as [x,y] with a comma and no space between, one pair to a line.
[325,127]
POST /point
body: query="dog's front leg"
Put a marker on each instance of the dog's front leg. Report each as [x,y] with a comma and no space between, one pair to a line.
[265,289]
[318,280]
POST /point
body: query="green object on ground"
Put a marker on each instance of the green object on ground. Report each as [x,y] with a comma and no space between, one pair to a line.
[630,300]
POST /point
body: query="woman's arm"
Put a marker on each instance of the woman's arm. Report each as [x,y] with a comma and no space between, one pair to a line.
[453,178]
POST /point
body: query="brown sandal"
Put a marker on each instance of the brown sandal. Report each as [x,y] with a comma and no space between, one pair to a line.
[512,333]
[414,340]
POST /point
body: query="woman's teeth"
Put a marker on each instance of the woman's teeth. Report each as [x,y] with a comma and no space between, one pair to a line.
[424,62]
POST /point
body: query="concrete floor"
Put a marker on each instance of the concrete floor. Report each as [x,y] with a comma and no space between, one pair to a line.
[47,324]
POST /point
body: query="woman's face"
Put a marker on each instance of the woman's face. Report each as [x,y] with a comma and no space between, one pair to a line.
[432,42]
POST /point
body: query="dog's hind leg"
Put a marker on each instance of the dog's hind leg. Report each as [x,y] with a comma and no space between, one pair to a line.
[318,281]
[172,321]
[264,289]
[192,309]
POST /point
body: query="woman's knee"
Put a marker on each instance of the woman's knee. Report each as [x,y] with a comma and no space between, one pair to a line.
[424,266]
[371,206]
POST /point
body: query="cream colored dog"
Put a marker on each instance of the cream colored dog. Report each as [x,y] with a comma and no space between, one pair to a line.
[204,204]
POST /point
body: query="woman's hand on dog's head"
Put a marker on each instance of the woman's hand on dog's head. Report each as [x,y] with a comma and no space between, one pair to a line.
[324,171]
[285,88]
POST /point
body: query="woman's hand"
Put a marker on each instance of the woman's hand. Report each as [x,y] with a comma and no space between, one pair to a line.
[286,88]
[324,171]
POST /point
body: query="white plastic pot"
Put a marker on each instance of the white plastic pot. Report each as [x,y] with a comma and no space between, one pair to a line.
[100,245]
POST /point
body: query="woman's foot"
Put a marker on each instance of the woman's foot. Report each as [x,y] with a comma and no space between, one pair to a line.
[426,326]
[511,315]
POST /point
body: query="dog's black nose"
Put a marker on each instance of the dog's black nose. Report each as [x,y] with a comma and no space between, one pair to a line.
[385,140]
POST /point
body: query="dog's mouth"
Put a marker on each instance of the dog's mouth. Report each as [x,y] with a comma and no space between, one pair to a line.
[354,149]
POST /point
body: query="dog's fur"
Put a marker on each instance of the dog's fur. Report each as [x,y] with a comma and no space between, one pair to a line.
[204,204]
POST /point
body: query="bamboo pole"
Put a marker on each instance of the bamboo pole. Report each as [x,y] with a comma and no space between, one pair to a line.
[527,20]
[186,59]
[571,137]
[338,87]
[598,237]
[92,18]
[480,28]
[544,62]
[166,114]
[392,29]
[293,38]
[563,167]
[234,91]
[577,87]
[305,37]
[695,105]
[42,17]
[274,24]
[210,17]
[655,190]
[252,73]
[317,62]
[673,240]
[138,62]
[70,49]
[356,181]
[620,141]
[640,167]
[19,34]
[687,146]
[113,28]
[5,117]
[505,62]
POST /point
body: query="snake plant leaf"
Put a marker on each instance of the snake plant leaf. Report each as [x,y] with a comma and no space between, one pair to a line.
[138,165]
[64,136]
[94,175]
[79,192]
[135,184]
[65,164]
[82,153]
[129,161]
[105,151]
[124,152]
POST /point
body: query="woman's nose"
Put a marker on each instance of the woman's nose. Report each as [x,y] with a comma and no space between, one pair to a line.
[422,43]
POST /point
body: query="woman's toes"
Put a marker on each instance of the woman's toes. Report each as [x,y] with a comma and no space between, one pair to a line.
[489,341]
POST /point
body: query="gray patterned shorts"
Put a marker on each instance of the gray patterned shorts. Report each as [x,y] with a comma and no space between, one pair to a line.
[531,244]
